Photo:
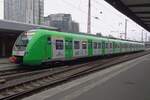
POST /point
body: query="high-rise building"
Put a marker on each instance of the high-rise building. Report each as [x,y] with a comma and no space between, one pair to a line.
[26,11]
[75,27]
[62,21]
[1,9]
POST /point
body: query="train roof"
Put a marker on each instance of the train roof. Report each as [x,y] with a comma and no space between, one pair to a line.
[86,35]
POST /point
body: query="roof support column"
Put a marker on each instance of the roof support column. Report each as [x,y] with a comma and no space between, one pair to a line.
[3,47]
[126,22]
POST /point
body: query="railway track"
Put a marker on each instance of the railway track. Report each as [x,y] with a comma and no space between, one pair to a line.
[11,71]
[17,85]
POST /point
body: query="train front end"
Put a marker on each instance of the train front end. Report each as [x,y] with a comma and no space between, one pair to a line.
[19,48]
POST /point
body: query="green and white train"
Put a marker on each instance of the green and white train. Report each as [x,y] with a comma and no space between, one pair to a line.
[39,46]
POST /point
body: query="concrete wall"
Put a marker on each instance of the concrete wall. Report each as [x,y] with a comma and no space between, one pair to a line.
[6,45]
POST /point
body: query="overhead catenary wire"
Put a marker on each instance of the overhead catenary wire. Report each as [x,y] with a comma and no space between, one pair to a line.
[94,17]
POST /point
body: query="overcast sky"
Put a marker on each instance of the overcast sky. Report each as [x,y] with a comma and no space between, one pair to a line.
[110,20]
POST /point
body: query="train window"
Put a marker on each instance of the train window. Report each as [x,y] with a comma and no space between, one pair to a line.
[118,46]
[76,45]
[99,45]
[110,45]
[95,45]
[59,45]
[106,45]
[84,45]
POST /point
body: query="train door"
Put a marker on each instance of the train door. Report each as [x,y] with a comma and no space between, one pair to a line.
[110,47]
[76,48]
[103,47]
[127,47]
[58,47]
[84,48]
[106,47]
[123,48]
[68,48]
[114,47]
[95,48]
[100,48]
[90,48]
[120,47]
[132,47]
[48,52]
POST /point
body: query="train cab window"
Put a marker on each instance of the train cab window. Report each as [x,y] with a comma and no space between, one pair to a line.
[95,45]
[76,45]
[84,45]
[59,45]
[99,45]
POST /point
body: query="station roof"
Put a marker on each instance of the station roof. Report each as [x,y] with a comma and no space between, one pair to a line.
[137,10]
[12,27]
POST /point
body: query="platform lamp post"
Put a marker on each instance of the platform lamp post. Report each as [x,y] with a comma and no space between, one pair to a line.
[120,33]
[89,18]
[146,37]
[133,32]
[126,24]
[142,35]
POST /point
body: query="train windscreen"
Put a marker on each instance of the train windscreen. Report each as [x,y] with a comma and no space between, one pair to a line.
[23,40]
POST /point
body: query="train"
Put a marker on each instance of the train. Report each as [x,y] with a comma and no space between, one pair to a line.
[40,46]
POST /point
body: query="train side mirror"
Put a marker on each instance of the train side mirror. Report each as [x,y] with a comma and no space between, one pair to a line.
[49,40]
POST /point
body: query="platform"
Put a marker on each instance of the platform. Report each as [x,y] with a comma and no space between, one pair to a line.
[126,81]
[5,64]
[4,61]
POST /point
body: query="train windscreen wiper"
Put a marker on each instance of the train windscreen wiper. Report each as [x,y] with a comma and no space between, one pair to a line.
[20,45]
